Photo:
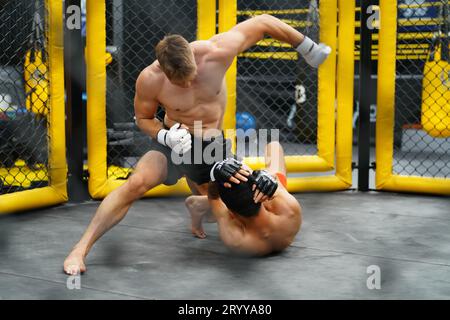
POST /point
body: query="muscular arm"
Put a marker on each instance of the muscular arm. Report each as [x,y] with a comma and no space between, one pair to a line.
[146,105]
[230,232]
[218,208]
[249,32]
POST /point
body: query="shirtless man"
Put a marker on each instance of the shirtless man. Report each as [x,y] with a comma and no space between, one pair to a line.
[257,217]
[188,80]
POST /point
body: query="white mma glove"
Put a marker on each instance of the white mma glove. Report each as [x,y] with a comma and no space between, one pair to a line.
[314,54]
[178,139]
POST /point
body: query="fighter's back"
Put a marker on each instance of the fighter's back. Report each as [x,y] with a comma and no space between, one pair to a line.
[282,223]
[272,230]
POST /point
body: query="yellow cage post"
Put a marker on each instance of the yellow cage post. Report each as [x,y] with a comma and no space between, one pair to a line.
[56,192]
[385,179]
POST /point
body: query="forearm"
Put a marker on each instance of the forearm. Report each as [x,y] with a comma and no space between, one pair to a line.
[150,126]
[280,30]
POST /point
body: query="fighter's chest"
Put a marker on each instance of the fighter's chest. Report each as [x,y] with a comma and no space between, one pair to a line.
[186,98]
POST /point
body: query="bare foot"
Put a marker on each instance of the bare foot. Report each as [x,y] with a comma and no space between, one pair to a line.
[74,263]
[196,227]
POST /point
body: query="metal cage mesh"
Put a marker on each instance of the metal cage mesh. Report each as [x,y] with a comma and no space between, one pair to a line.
[422,91]
[24,96]
[276,89]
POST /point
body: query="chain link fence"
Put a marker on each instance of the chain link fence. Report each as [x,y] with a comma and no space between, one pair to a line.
[422,90]
[277,89]
[23,96]
[133,29]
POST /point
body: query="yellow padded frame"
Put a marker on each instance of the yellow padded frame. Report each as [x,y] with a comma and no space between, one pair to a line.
[385,179]
[56,192]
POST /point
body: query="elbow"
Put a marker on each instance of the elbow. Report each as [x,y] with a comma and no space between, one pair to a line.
[137,122]
[265,19]
[260,26]
[265,23]
[140,124]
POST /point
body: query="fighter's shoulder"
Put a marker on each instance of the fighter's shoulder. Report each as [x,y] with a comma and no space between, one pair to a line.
[151,73]
[150,78]
[210,49]
[203,47]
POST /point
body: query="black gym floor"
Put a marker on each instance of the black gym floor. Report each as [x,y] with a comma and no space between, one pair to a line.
[151,254]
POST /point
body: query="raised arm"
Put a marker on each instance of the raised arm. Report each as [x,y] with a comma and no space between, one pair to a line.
[249,32]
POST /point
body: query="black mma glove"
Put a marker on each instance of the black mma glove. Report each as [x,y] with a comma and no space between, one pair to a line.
[222,171]
[265,182]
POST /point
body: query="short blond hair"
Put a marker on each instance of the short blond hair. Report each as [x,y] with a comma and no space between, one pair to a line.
[175,57]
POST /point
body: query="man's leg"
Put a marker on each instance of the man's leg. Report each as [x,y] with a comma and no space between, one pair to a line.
[198,207]
[193,186]
[150,171]
[275,163]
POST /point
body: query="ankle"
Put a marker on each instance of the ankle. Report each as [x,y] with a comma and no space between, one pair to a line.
[79,250]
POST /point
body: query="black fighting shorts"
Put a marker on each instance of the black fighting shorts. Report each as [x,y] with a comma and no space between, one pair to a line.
[196,164]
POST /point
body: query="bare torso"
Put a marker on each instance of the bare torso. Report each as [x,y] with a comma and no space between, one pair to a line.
[204,100]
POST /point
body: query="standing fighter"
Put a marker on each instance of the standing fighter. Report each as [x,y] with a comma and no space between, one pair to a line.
[256,217]
[188,80]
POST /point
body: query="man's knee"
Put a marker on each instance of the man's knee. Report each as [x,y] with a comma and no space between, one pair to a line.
[274,157]
[190,202]
[137,185]
[194,203]
[273,149]
[274,144]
